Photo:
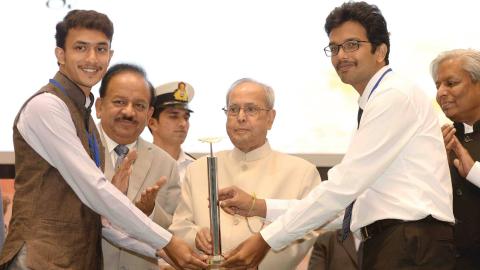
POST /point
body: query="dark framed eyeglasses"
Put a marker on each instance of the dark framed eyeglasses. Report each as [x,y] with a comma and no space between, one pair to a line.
[347,46]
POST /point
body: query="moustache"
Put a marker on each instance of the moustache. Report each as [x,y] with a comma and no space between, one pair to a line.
[126,118]
[345,63]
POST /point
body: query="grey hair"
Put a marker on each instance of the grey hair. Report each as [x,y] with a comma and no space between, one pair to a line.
[470,58]
[269,94]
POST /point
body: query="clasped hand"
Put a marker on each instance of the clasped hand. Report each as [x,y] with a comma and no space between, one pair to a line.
[460,156]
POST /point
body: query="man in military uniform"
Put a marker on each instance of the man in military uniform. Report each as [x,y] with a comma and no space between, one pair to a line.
[169,123]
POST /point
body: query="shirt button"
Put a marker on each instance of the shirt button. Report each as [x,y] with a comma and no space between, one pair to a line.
[459,192]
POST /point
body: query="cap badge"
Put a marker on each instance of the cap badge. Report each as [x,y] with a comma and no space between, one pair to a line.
[180,93]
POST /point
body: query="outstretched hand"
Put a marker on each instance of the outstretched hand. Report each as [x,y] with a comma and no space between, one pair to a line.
[183,256]
[122,175]
[203,241]
[171,265]
[248,254]
[146,203]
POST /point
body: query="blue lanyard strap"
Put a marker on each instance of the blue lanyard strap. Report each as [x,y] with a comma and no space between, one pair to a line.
[93,145]
[92,139]
[378,82]
[58,85]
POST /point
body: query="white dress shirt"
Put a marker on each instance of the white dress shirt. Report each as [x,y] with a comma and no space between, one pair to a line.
[182,163]
[122,239]
[111,144]
[46,125]
[395,167]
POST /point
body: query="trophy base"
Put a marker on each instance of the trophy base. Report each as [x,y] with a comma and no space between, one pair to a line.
[214,262]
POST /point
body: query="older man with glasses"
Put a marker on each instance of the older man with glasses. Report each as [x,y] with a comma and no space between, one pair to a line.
[252,166]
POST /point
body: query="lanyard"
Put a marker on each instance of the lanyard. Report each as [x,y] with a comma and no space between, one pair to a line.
[92,139]
[360,111]
[378,82]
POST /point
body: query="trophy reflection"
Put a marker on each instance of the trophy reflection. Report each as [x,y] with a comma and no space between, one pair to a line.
[216,259]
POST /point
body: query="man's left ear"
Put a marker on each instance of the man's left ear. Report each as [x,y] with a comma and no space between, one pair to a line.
[60,55]
[272,113]
[111,55]
[149,113]
[98,107]
[381,52]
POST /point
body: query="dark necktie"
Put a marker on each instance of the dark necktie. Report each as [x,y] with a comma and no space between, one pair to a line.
[347,218]
[122,152]
[359,116]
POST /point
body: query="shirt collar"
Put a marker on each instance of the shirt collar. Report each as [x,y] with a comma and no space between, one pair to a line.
[89,102]
[181,157]
[111,144]
[362,100]
[463,128]
[253,155]
[467,128]
[74,92]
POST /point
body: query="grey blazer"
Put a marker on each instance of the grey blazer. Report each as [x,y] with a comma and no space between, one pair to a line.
[152,163]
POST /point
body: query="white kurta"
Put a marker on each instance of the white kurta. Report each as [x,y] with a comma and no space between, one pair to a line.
[269,174]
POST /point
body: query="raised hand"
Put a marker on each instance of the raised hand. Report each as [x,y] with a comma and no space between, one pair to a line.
[463,162]
[183,256]
[448,132]
[203,241]
[233,200]
[120,179]
[248,254]
[146,203]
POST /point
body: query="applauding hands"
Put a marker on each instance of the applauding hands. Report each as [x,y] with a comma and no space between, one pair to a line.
[146,203]
[462,160]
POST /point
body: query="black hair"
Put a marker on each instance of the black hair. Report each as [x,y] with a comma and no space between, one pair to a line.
[157,110]
[123,67]
[369,16]
[89,19]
